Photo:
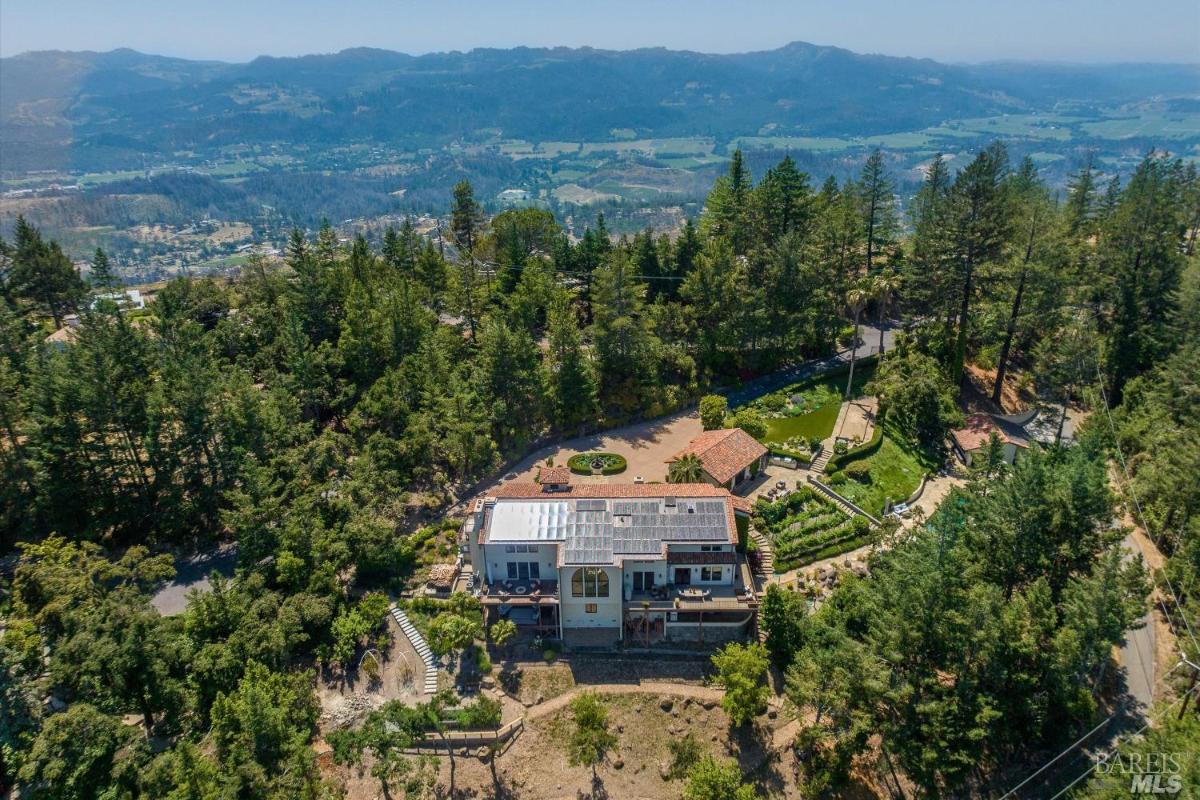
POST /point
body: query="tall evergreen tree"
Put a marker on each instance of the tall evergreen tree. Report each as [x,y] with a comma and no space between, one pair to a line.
[876,197]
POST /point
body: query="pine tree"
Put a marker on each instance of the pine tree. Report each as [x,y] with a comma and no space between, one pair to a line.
[102,275]
[876,197]
[42,275]
[979,223]
[1141,257]
[570,379]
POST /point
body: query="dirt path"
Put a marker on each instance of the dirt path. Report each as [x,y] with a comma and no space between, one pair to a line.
[646,687]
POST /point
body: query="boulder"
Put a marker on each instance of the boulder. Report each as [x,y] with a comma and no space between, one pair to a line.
[666,703]
[618,763]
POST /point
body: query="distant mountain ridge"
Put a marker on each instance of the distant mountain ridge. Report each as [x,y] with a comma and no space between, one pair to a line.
[86,110]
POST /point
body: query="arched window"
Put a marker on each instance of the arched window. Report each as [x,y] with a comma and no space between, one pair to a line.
[589,582]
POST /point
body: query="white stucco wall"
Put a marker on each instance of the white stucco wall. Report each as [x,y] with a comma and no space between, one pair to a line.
[496,561]
[574,609]
[659,568]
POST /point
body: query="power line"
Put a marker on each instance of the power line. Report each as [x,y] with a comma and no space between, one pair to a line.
[1117,747]
[1137,505]
[1074,744]
[1175,598]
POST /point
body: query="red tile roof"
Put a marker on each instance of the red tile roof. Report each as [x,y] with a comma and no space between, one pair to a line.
[554,476]
[979,428]
[742,504]
[724,453]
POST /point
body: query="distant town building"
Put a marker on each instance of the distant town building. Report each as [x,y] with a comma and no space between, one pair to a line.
[128,300]
[513,196]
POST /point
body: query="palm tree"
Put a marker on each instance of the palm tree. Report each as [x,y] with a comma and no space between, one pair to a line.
[883,288]
[857,298]
[686,469]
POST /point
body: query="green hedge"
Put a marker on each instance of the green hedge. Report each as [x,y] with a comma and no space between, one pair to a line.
[581,463]
[854,454]
[780,452]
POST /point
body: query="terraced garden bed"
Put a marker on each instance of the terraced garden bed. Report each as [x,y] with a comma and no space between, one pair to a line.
[805,527]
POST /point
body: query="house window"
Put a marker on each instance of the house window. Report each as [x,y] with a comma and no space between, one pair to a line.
[710,573]
[523,571]
[520,548]
[710,548]
[589,582]
[590,608]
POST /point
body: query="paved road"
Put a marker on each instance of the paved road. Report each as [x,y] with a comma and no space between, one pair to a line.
[1137,652]
[191,572]
[868,346]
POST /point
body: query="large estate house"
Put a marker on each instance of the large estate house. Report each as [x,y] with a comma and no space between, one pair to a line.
[598,564]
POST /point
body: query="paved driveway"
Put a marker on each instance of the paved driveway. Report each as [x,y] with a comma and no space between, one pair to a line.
[646,446]
[1138,650]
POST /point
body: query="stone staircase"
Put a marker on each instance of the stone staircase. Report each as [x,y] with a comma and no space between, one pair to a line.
[839,501]
[766,562]
[421,646]
[763,571]
[817,466]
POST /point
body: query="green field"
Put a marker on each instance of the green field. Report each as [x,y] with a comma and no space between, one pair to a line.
[900,141]
[1164,126]
[1030,126]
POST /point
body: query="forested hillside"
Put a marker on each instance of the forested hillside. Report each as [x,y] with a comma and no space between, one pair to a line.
[320,413]
[111,110]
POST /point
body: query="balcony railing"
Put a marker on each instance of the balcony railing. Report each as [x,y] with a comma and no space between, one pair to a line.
[519,590]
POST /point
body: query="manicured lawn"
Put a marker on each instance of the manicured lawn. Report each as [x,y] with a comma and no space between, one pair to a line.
[896,470]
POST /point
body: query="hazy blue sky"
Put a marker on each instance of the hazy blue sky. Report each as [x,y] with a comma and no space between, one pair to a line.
[948,30]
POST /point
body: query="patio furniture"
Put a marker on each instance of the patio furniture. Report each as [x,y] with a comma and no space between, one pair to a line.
[522,590]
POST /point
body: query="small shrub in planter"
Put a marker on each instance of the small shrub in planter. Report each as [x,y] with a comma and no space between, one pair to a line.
[814,444]
[838,478]
[840,448]
[549,656]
